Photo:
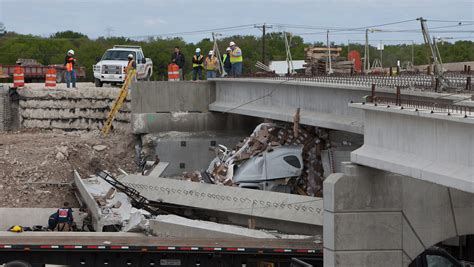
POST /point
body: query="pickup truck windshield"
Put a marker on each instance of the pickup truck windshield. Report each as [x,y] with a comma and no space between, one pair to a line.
[118,55]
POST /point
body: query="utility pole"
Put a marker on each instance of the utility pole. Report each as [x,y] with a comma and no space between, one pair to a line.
[366,52]
[329,54]
[263,29]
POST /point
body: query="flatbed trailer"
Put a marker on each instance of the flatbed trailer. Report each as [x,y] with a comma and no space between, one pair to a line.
[129,249]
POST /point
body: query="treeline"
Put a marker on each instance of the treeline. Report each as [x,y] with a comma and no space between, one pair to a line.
[52,50]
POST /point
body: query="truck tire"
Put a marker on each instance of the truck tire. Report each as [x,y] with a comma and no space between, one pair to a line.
[98,83]
[18,264]
[148,76]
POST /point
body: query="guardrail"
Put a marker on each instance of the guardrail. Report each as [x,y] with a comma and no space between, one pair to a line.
[458,82]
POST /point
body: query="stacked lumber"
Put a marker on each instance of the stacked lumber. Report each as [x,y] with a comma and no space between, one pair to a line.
[316,59]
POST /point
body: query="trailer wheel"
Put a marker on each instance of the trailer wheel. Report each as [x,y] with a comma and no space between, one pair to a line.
[18,264]
[98,83]
[60,77]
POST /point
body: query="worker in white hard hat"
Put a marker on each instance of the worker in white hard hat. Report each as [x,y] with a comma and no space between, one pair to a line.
[197,64]
[211,65]
[236,59]
[69,63]
[226,61]
[131,65]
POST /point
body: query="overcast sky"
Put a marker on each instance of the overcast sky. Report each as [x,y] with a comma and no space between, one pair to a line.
[156,17]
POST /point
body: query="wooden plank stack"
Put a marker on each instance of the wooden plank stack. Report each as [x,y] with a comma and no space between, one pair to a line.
[316,61]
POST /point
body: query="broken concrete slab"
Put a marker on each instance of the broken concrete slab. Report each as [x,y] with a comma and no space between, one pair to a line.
[265,206]
[176,226]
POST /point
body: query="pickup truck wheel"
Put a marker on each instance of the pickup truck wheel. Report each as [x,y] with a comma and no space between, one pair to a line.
[148,76]
[98,83]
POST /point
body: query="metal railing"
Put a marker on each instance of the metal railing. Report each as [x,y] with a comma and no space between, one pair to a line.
[458,82]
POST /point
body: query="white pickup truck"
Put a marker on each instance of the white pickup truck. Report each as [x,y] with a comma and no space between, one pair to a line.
[111,67]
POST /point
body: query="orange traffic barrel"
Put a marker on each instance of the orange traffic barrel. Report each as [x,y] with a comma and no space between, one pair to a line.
[50,80]
[18,77]
[173,72]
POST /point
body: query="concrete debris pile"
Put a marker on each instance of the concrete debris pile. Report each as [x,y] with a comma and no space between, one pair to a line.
[289,157]
[316,59]
[110,208]
[71,109]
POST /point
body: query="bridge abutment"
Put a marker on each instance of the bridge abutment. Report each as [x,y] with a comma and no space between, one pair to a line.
[377,218]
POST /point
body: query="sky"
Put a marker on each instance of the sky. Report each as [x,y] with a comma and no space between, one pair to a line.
[182,18]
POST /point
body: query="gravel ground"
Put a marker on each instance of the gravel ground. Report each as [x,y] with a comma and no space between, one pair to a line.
[31,159]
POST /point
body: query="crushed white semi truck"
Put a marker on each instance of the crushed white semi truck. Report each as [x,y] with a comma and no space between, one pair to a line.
[111,67]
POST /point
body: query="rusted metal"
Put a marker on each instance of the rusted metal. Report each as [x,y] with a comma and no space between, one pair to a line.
[420,105]
[372,98]
[399,101]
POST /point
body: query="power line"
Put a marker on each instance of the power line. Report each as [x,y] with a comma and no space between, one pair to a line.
[439,20]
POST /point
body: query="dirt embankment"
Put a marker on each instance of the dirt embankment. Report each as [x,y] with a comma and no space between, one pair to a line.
[36,165]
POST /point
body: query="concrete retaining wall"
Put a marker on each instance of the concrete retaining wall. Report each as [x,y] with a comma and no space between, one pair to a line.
[71,109]
[181,106]
[159,97]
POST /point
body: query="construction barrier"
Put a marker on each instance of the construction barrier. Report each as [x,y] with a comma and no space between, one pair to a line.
[18,77]
[50,80]
[173,72]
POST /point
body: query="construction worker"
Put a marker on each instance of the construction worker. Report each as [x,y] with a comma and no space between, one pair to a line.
[132,65]
[226,61]
[236,59]
[69,62]
[211,65]
[65,219]
[178,58]
[197,64]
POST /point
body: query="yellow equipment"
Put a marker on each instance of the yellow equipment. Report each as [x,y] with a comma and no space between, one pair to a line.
[118,102]
[16,229]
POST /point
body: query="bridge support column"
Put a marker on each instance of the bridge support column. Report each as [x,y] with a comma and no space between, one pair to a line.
[377,218]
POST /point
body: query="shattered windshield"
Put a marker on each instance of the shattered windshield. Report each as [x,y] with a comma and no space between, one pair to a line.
[117,55]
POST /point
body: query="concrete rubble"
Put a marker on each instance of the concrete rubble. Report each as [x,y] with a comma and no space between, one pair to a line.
[85,108]
[265,138]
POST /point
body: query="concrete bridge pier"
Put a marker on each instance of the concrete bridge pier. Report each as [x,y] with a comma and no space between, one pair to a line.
[377,218]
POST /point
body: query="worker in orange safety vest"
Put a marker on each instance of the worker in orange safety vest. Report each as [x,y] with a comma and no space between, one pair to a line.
[69,62]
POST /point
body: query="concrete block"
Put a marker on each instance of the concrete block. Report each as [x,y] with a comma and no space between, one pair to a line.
[233,200]
[153,97]
[463,208]
[363,231]
[374,191]
[175,226]
[189,151]
[427,208]
[387,258]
